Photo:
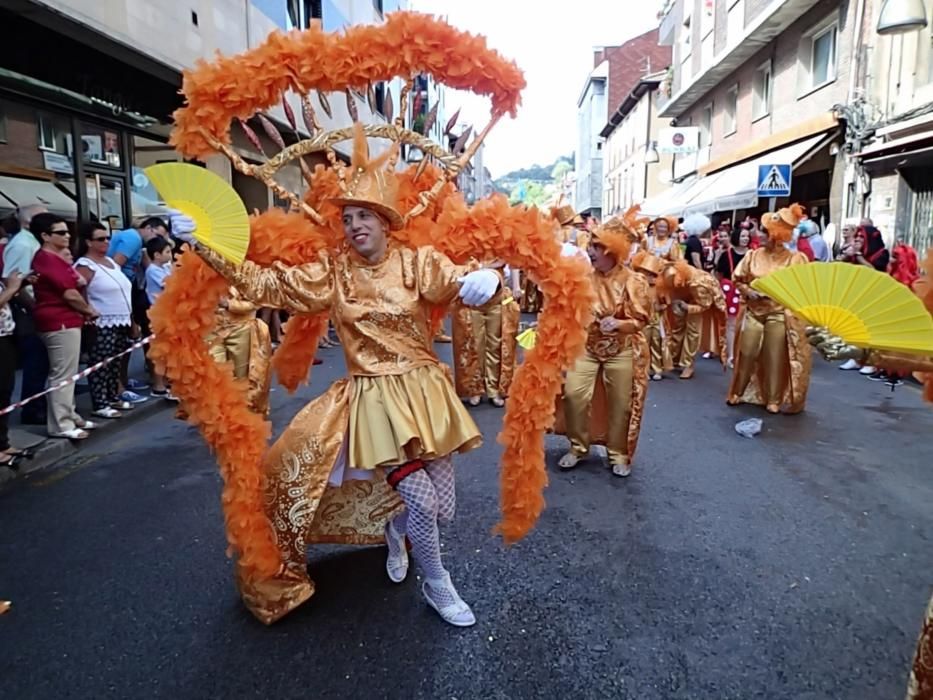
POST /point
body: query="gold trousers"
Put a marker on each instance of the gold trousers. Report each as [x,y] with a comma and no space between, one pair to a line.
[763,340]
[685,339]
[487,336]
[655,338]
[617,375]
[232,345]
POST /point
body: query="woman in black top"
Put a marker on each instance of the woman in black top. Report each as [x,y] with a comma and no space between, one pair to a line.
[725,266]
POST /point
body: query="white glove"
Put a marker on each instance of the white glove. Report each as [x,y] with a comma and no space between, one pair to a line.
[183,226]
[478,287]
[569,250]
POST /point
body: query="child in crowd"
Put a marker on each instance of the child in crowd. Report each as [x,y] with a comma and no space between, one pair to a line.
[161,256]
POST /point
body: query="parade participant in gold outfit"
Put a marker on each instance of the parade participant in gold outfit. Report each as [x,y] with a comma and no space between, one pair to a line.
[484,345]
[651,267]
[377,442]
[662,242]
[604,392]
[242,339]
[693,298]
[399,413]
[773,358]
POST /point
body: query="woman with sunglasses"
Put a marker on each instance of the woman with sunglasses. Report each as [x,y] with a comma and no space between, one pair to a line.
[109,291]
[59,314]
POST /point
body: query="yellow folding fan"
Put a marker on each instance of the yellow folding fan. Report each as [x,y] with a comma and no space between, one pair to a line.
[864,307]
[527,338]
[218,211]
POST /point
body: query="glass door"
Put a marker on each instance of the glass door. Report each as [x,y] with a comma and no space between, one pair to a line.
[105,200]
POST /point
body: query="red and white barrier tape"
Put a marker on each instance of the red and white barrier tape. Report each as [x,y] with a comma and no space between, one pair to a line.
[75,377]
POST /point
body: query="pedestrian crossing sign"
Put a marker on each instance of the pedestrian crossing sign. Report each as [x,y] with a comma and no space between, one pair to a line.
[774,180]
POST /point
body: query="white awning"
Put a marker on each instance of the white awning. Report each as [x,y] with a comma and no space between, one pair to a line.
[667,202]
[21,192]
[736,187]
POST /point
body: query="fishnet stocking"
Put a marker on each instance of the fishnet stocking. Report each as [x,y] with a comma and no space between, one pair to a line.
[420,496]
[441,472]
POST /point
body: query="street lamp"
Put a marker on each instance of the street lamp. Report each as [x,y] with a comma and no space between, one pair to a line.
[651,153]
[901,16]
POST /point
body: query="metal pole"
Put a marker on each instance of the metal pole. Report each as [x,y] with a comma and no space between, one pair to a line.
[772,203]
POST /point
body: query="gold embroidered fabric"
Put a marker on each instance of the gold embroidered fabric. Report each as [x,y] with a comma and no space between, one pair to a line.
[380,311]
[773,358]
[623,294]
[604,394]
[920,685]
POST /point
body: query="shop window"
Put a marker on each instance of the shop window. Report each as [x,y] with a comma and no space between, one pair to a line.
[761,97]
[732,106]
[817,55]
[100,146]
[54,134]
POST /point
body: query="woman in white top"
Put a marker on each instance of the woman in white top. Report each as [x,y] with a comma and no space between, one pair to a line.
[108,291]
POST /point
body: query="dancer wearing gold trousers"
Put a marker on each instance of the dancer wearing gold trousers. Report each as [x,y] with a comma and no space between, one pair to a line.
[694,299]
[655,333]
[604,392]
[484,346]
[773,358]
[920,681]
[243,340]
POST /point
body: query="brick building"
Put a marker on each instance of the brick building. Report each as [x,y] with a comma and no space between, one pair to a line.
[616,71]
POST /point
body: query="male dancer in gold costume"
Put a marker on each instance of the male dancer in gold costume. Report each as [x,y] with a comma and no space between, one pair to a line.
[604,393]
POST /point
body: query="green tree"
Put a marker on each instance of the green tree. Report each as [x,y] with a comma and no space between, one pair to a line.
[561,168]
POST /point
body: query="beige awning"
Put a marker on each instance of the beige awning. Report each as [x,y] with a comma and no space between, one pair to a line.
[21,192]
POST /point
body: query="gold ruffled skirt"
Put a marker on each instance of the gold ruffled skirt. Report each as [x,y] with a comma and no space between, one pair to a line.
[397,418]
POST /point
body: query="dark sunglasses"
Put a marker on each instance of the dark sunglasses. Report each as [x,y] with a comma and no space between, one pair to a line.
[98,240]
[59,232]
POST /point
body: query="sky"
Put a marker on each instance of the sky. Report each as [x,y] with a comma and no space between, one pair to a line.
[552,41]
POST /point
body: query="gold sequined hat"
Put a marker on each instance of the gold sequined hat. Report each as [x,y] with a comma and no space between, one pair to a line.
[369,183]
[649,263]
[564,214]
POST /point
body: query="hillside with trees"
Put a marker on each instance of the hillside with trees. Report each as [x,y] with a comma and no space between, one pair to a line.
[536,185]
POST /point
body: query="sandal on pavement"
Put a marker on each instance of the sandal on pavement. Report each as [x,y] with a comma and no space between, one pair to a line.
[569,461]
[474,401]
[73,434]
[621,469]
[122,405]
[456,613]
[25,453]
[86,425]
[8,460]
[498,402]
[107,412]
[397,560]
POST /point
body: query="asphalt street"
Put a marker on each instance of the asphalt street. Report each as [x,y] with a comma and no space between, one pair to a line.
[796,564]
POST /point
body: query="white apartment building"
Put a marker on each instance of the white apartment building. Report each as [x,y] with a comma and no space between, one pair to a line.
[630,134]
[591,116]
[108,79]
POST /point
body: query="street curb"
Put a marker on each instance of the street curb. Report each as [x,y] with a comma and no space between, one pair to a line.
[52,450]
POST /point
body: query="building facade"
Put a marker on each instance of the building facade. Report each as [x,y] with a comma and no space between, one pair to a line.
[892,134]
[764,82]
[78,127]
[630,134]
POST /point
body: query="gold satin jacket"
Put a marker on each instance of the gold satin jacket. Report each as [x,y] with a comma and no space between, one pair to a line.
[760,263]
[380,311]
[623,294]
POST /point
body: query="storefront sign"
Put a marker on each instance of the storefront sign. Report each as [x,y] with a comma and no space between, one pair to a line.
[58,163]
[681,139]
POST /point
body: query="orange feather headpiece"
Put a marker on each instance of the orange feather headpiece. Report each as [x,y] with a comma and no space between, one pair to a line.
[780,224]
[671,221]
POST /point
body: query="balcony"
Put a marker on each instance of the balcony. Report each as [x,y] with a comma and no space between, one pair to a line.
[741,44]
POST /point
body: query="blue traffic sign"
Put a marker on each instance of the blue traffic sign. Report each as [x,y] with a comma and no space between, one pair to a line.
[774,180]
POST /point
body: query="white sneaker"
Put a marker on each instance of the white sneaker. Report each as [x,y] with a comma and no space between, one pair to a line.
[457,613]
[656,377]
[867,369]
[621,469]
[849,365]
